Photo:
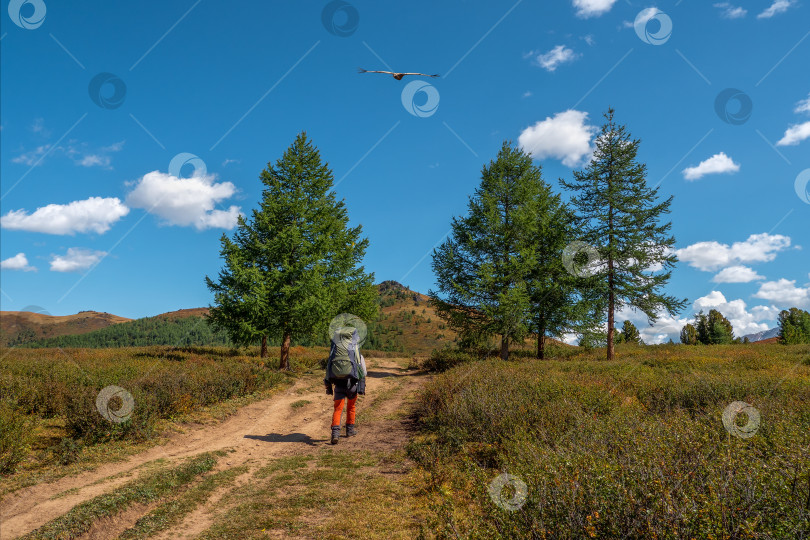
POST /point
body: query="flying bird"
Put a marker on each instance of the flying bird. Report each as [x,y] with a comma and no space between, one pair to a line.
[397,76]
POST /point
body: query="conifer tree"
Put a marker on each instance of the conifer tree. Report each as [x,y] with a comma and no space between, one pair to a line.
[481,269]
[620,216]
[294,264]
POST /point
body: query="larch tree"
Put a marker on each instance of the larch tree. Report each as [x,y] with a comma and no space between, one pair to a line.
[482,268]
[295,264]
[620,216]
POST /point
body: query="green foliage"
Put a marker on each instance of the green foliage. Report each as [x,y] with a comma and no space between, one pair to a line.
[619,215]
[629,449]
[444,359]
[294,264]
[15,436]
[713,329]
[629,334]
[482,268]
[794,326]
[180,332]
[689,335]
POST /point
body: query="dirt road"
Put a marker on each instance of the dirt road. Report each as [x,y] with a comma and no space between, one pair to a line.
[257,433]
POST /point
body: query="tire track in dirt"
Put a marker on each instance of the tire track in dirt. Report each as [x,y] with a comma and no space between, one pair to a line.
[258,432]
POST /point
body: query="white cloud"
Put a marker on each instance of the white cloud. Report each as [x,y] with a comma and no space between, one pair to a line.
[592,8]
[527,93]
[76,259]
[711,256]
[779,6]
[17,262]
[94,214]
[32,157]
[229,161]
[92,160]
[743,320]
[784,293]
[717,164]
[556,56]
[642,18]
[736,274]
[795,134]
[185,201]
[567,137]
[803,106]
[730,11]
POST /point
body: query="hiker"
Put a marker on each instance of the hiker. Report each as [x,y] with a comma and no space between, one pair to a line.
[346,370]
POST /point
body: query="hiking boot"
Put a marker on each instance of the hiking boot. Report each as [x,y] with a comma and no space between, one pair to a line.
[350,431]
[335,434]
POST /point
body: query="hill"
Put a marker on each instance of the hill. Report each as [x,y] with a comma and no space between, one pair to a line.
[406,324]
[18,327]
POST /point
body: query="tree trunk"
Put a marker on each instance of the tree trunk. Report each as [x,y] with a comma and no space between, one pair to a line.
[285,351]
[264,347]
[541,338]
[610,326]
[504,347]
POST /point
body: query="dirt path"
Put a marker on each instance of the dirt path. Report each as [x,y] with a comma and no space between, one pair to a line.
[256,433]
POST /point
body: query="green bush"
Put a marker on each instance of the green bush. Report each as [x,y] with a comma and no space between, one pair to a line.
[444,359]
[15,436]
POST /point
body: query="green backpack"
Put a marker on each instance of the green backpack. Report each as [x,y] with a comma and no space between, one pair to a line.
[344,355]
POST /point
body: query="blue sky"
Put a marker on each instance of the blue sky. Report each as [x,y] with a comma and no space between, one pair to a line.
[98,101]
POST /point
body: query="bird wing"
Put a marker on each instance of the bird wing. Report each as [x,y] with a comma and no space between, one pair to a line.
[360,70]
[422,74]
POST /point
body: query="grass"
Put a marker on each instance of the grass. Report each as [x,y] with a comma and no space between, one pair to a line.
[300,403]
[172,512]
[50,425]
[150,488]
[331,494]
[633,448]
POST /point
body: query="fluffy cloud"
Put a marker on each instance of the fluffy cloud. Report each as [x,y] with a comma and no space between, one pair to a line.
[556,56]
[730,11]
[78,152]
[76,260]
[785,294]
[711,256]
[779,6]
[95,214]
[743,320]
[592,8]
[665,327]
[736,274]
[17,262]
[795,134]
[185,201]
[717,164]
[566,136]
[32,157]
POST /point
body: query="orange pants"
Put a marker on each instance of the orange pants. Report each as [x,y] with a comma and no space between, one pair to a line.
[339,409]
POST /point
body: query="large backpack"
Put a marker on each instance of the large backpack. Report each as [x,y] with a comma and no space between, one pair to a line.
[344,355]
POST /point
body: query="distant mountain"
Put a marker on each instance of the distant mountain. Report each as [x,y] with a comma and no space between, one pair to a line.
[761,336]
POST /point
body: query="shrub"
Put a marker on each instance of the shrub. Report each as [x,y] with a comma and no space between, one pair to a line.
[444,359]
[15,436]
